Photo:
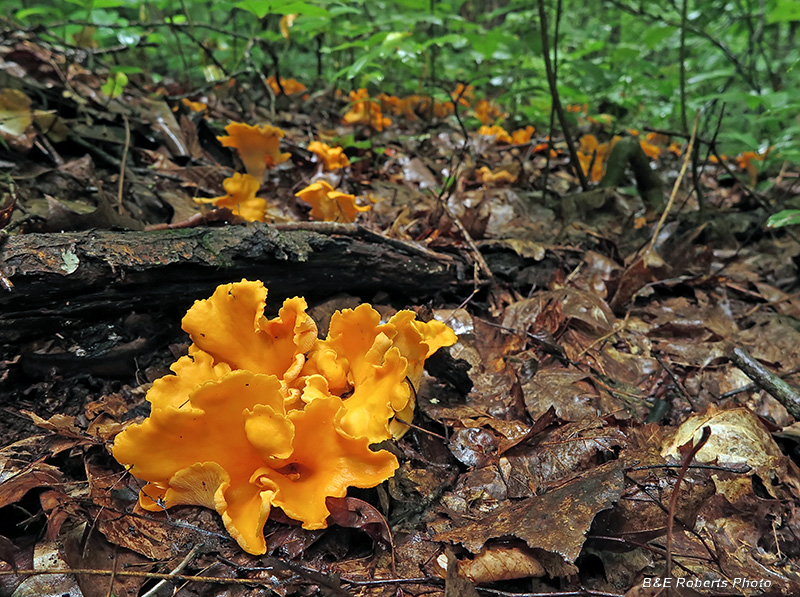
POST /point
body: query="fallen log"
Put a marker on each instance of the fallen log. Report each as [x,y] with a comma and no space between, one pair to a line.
[97,275]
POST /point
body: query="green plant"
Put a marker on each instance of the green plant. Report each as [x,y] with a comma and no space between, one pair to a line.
[786,217]
[623,58]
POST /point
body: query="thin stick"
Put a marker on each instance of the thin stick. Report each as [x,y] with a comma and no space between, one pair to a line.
[551,81]
[111,579]
[184,562]
[476,253]
[784,393]
[678,181]
[264,582]
[122,163]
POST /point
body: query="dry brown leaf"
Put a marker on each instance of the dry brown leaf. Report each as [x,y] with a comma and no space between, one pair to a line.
[498,563]
[555,522]
[18,477]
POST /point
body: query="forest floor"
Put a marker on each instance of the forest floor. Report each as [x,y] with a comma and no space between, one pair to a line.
[559,448]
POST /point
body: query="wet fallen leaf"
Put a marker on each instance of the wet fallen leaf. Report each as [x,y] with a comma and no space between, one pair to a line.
[555,522]
[16,119]
[357,514]
[19,474]
[737,438]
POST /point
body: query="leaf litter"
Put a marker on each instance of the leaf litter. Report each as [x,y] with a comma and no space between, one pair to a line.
[549,448]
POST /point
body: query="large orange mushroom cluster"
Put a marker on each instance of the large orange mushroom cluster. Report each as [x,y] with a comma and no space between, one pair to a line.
[262,413]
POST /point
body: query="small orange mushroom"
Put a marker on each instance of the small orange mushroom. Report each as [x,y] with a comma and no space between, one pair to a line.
[498,132]
[258,146]
[521,136]
[330,205]
[486,112]
[443,109]
[463,94]
[366,111]
[290,86]
[488,176]
[241,198]
[332,158]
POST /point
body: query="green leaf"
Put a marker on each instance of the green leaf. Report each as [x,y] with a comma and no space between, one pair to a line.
[114,85]
[784,218]
[395,37]
[128,70]
[36,10]
[262,8]
[301,8]
[784,11]
[655,35]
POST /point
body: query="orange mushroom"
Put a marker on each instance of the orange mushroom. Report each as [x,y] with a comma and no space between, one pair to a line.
[498,132]
[232,328]
[258,146]
[488,176]
[233,447]
[373,361]
[443,109]
[290,86]
[521,136]
[366,111]
[201,452]
[464,94]
[330,205]
[325,461]
[486,112]
[254,416]
[332,158]
[240,197]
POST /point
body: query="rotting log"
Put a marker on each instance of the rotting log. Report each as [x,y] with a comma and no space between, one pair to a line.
[98,275]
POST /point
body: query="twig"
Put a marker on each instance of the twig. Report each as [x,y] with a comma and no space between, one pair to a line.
[710,467]
[184,562]
[122,162]
[672,133]
[673,500]
[651,548]
[264,582]
[767,380]
[578,593]
[682,71]
[752,386]
[476,253]
[140,24]
[677,184]
[114,563]
[562,118]
[676,381]
[657,501]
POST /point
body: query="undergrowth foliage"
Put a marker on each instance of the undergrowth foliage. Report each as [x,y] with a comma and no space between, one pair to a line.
[654,63]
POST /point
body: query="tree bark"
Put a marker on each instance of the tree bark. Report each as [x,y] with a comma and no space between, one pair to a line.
[98,275]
